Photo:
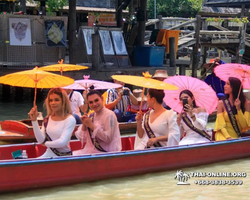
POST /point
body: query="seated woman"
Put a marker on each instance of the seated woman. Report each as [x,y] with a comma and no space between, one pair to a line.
[232,113]
[58,126]
[158,127]
[192,120]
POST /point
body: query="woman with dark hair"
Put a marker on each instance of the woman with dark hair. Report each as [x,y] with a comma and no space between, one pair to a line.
[58,126]
[232,113]
[158,127]
[192,120]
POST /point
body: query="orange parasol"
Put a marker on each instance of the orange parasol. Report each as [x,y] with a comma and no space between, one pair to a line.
[63,67]
[144,81]
[35,78]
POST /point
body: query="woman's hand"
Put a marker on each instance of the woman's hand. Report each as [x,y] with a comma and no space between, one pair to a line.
[237,103]
[151,142]
[33,114]
[139,116]
[229,138]
[86,121]
[188,110]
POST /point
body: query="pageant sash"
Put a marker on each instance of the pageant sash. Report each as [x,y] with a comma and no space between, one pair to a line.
[148,130]
[94,141]
[231,116]
[188,122]
[47,138]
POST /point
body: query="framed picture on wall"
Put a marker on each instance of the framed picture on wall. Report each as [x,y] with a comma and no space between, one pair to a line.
[119,44]
[55,33]
[87,33]
[106,42]
[20,32]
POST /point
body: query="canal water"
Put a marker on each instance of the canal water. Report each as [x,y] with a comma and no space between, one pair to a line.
[160,186]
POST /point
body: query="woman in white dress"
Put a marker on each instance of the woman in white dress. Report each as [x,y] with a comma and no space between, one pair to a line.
[58,126]
[192,120]
[158,127]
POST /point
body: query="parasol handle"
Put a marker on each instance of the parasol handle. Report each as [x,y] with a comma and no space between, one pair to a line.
[34,103]
[239,90]
[142,95]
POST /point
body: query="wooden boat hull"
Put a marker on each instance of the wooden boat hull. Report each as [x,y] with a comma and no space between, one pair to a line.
[29,174]
[22,130]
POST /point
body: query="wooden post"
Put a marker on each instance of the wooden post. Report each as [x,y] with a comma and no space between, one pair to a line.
[95,51]
[242,38]
[159,24]
[119,15]
[23,6]
[141,23]
[19,94]
[72,31]
[172,52]
[6,93]
[204,57]
[182,70]
[196,46]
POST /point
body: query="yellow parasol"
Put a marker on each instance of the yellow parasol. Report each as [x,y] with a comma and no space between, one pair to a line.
[63,67]
[35,78]
[144,81]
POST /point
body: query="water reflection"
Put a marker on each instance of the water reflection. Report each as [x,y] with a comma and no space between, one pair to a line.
[150,186]
[17,111]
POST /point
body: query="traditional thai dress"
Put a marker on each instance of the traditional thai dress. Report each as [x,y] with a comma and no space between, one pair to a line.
[165,124]
[223,126]
[104,138]
[190,135]
[60,133]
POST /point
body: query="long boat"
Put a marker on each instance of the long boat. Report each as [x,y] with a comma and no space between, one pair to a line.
[13,130]
[31,173]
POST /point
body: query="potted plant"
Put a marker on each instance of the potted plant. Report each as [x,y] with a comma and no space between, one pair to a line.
[238,22]
[212,21]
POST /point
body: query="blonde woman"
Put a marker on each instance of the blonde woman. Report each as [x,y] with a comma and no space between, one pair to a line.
[58,126]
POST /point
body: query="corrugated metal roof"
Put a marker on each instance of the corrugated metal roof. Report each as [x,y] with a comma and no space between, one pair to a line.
[80,8]
[220,10]
[227,3]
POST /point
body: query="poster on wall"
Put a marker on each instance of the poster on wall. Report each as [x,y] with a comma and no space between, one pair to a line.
[119,44]
[106,42]
[87,33]
[104,19]
[55,33]
[20,32]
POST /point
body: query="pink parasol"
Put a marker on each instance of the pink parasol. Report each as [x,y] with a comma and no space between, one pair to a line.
[237,70]
[87,83]
[204,95]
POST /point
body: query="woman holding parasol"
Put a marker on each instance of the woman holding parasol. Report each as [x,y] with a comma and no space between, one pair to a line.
[58,126]
[232,113]
[158,127]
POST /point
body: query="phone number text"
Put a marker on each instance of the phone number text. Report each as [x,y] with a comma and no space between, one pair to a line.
[218,182]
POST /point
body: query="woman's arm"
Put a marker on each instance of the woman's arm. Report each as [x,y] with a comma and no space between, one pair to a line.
[200,118]
[220,123]
[139,120]
[65,137]
[107,132]
[39,133]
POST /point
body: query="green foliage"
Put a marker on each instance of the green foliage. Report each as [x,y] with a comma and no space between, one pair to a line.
[55,5]
[174,8]
[52,5]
